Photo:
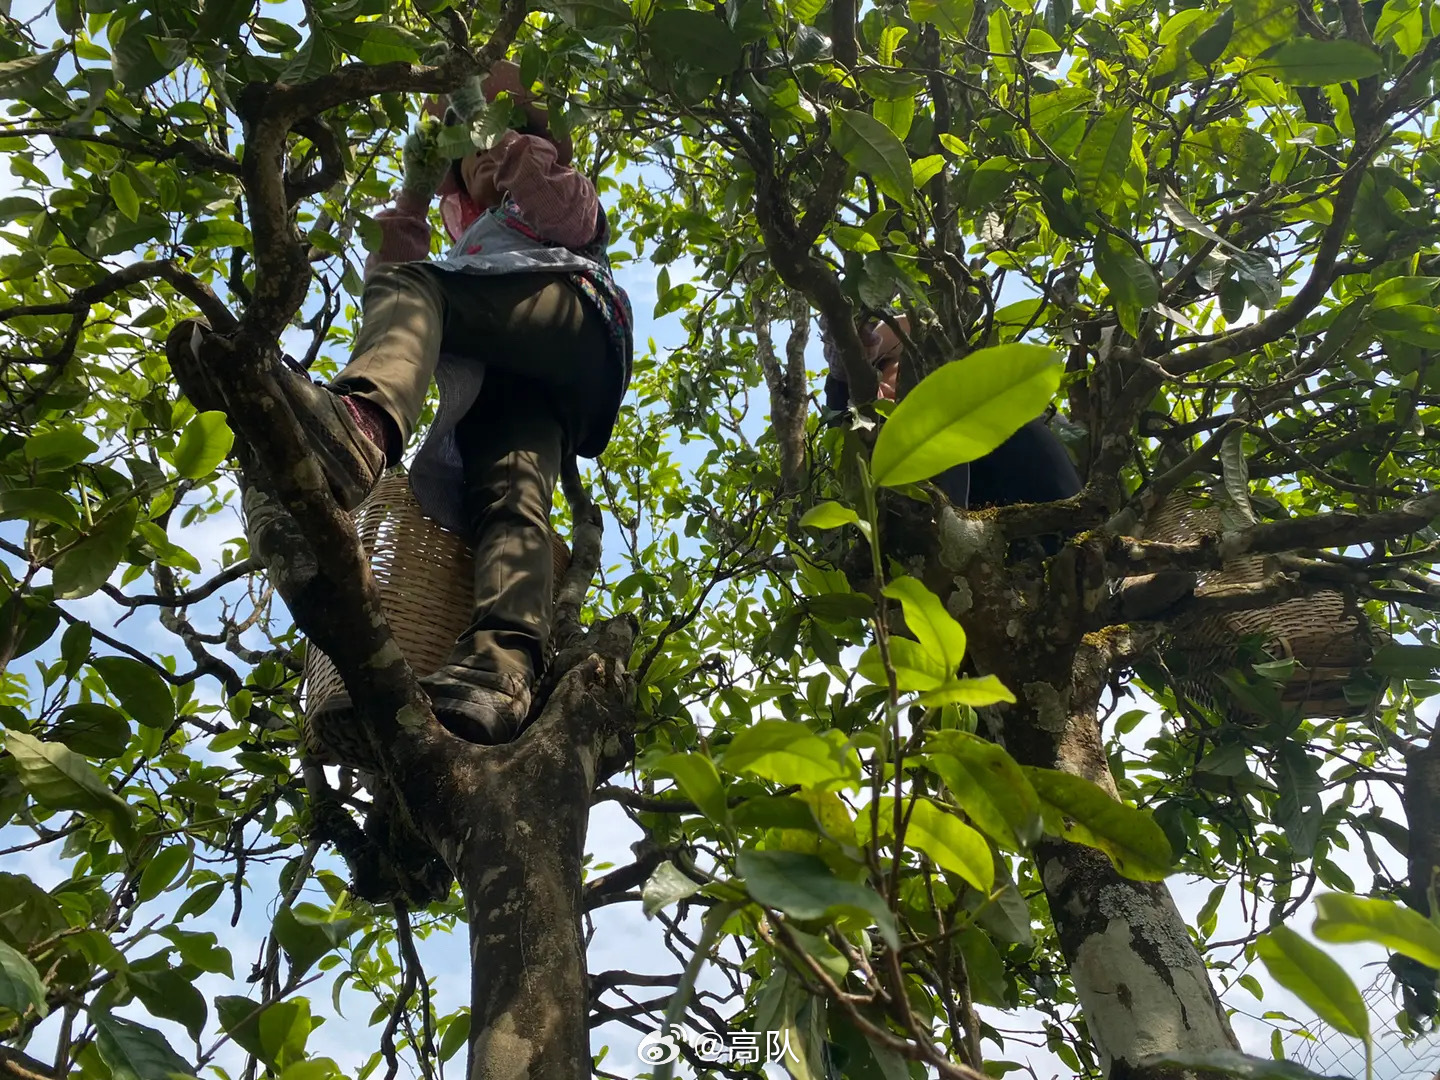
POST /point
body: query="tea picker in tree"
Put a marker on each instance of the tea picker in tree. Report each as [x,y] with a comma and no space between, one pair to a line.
[1031,466]
[529,340]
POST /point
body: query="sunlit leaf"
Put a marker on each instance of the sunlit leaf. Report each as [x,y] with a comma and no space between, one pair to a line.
[1344,918]
[1081,811]
[872,149]
[1316,979]
[963,411]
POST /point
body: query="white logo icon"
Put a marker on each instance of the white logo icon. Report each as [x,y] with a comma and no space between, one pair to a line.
[657,1049]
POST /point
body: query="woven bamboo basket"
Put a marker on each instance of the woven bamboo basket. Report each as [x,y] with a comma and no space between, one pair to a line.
[1323,633]
[425,576]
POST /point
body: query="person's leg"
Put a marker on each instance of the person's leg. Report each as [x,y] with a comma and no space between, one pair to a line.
[512,445]
[397,345]
[361,421]
[539,328]
[547,379]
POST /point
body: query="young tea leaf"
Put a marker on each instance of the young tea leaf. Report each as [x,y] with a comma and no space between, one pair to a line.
[964,410]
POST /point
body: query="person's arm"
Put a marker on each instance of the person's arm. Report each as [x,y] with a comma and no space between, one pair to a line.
[404,228]
[558,201]
[404,233]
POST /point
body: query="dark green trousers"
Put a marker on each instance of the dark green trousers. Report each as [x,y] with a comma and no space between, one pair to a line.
[549,382]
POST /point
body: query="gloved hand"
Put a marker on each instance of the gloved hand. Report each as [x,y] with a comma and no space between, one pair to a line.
[468,101]
[425,166]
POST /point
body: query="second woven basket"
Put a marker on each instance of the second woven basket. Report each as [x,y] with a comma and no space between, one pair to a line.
[425,576]
[1323,633]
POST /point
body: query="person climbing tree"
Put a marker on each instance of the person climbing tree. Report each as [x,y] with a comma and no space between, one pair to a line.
[1031,466]
[529,340]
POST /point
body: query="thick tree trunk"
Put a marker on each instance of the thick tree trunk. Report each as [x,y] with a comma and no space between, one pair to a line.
[1141,982]
[519,857]
[510,821]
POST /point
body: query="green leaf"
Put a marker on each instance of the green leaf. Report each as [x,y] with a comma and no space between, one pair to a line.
[123,192]
[897,114]
[849,238]
[162,870]
[804,887]
[885,83]
[221,19]
[1417,324]
[926,169]
[306,934]
[989,786]
[790,753]
[59,448]
[695,38]
[312,60]
[977,693]
[950,17]
[1256,271]
[1231,1063]
[84,568]
[239,1018]
[284,1029]
[93,729]
[1084,813]
[990,180]
[26,75]
[457,1036]
[377,42]
[829,515]
[16,207]
[964,410]
[667,885]
[214,233]
[60,779]
[1404,290]
[1260,24]
[804,10]
[1103,157]
[136,1052]
[1345,918]
[1308,61]
[698,780]
[203,446]
[275,36]
[1317,980]
[915,668]
[951,844]
[890,39]
[20,985]
[38,504]
[990,982]
[1130,278]
[145,54]
[873,150]
[1407,661]
[200,901]
[141,691]
[925,616]
[1210,46]
[75,646]
[171,996]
